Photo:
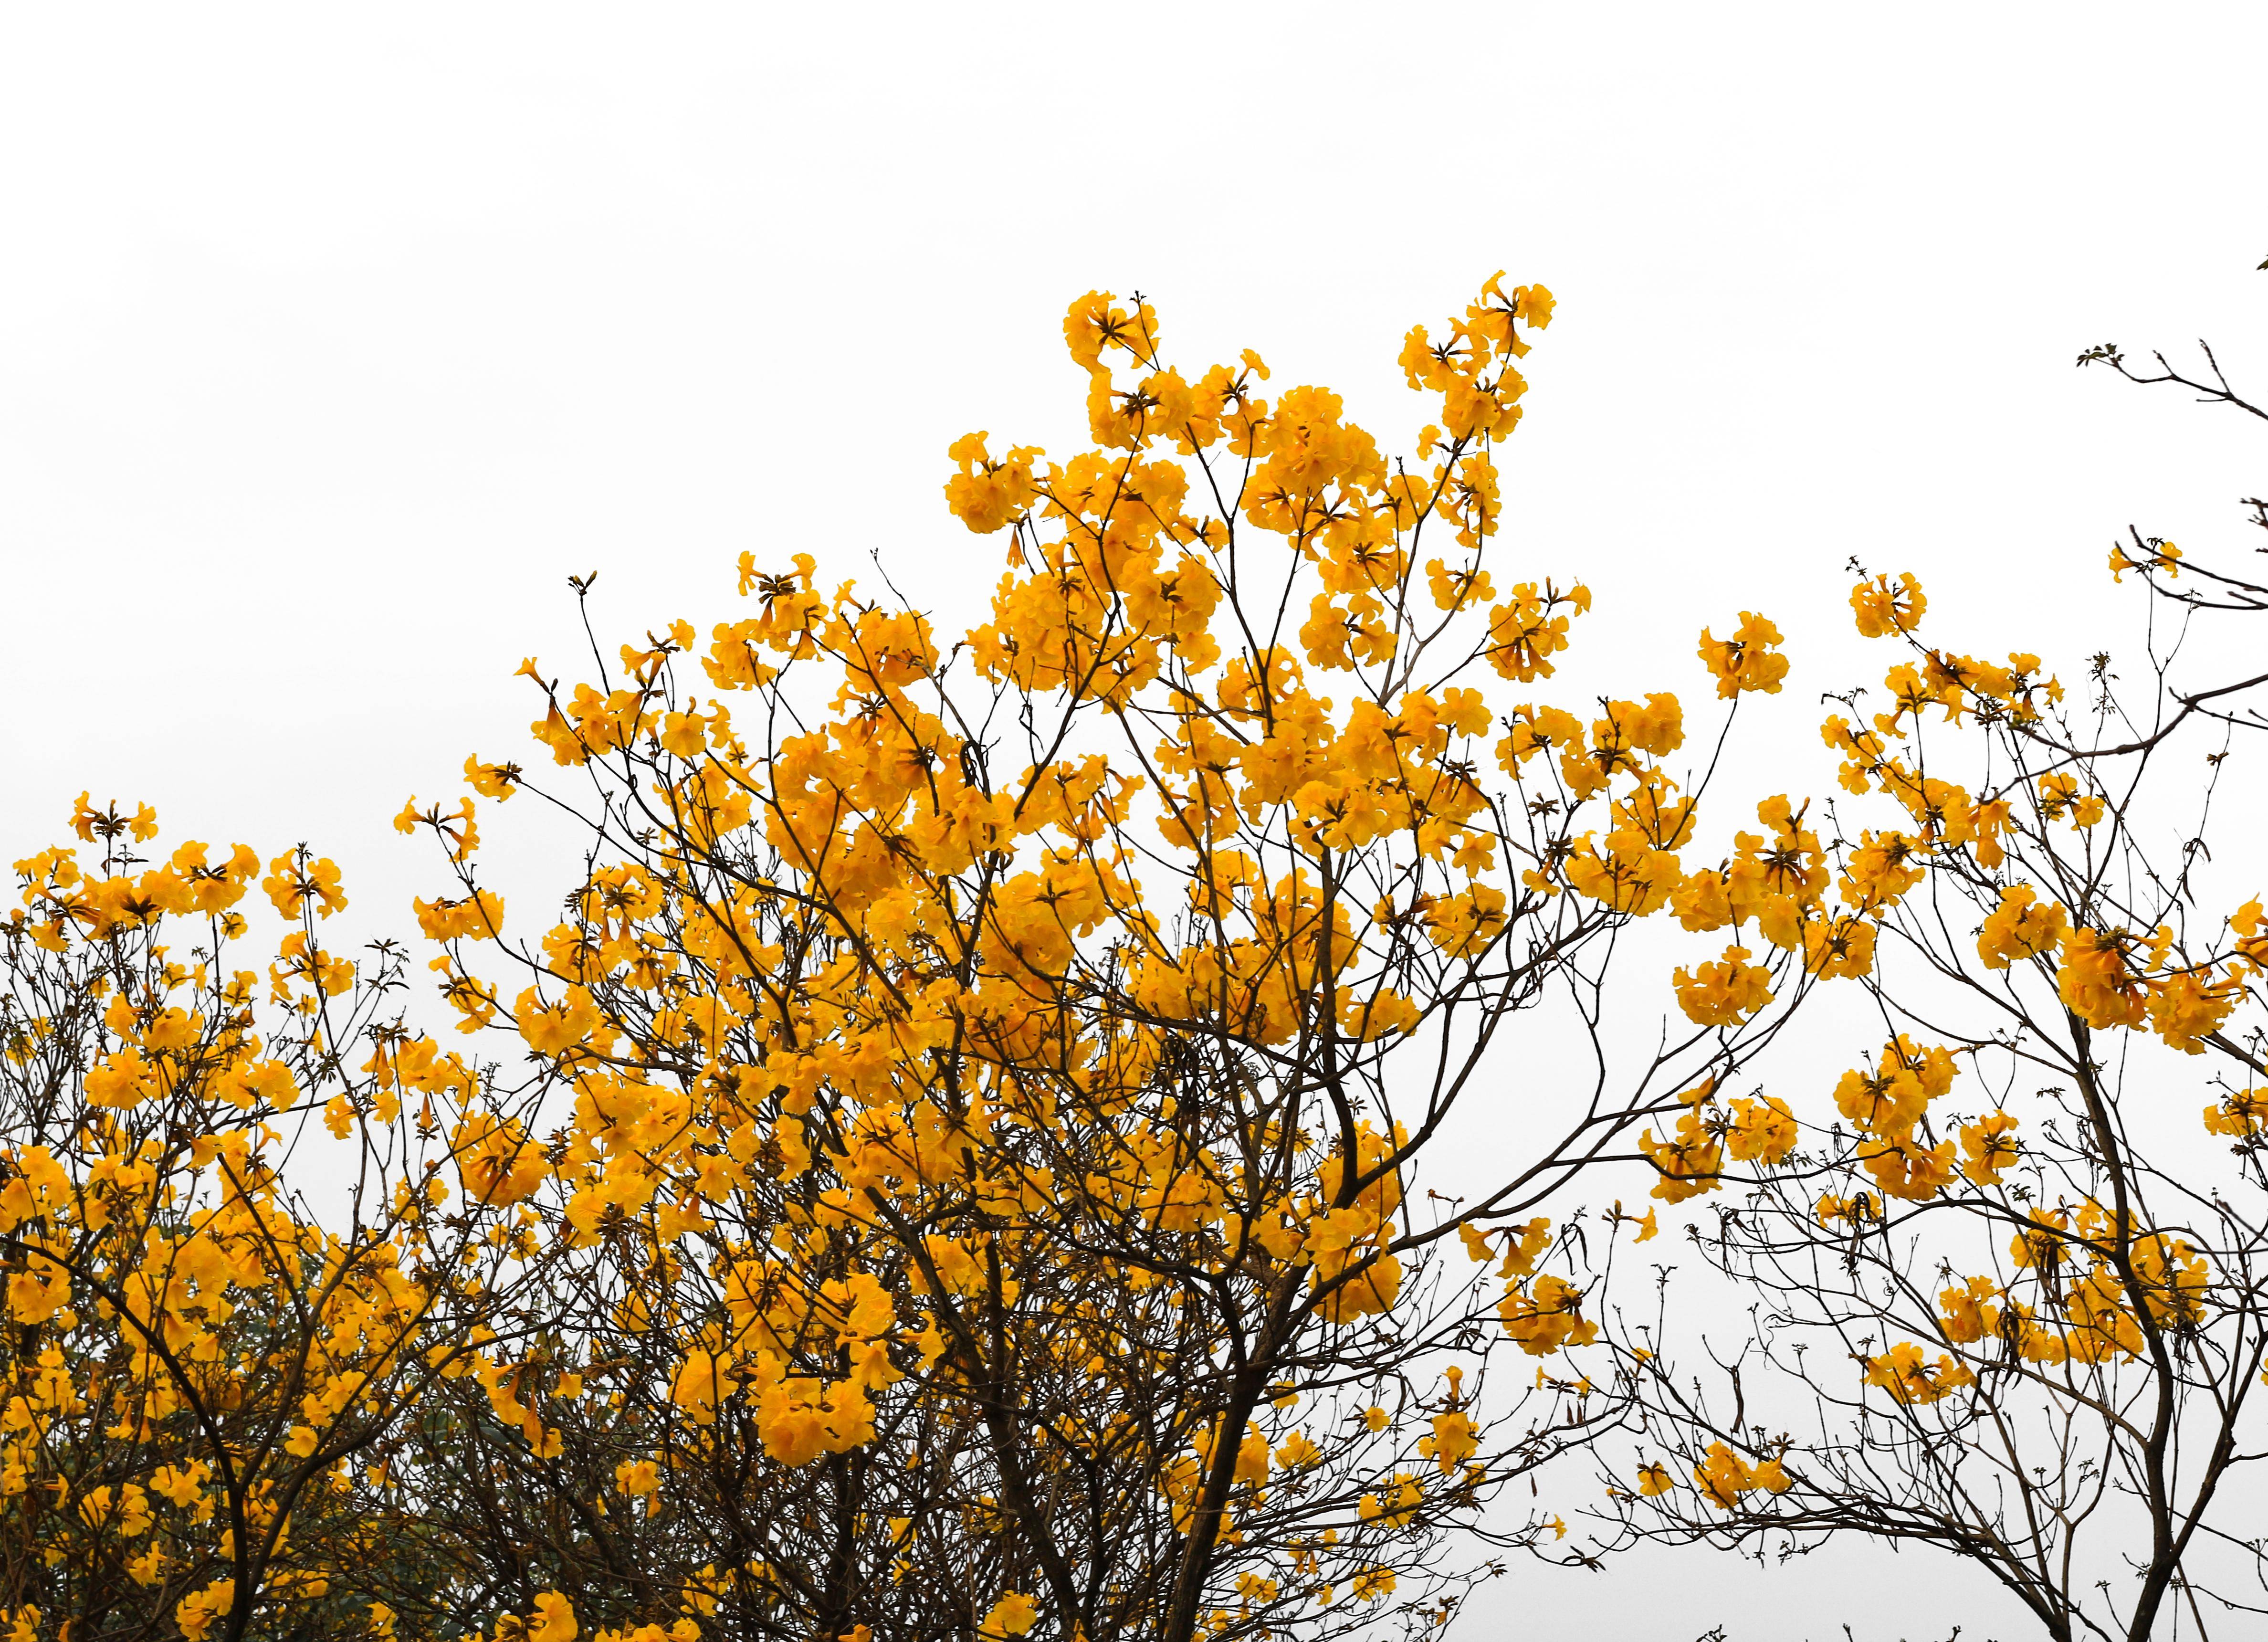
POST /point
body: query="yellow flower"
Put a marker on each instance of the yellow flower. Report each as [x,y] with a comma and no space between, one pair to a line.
[699,1385]
[1297,1452]
[1746,661]
[1724,993]
[2096,981]
[1454,1440]
[1013,1616]
[2022,926]
[1372,1585]
[1903,1373]
[1987,1147]
[2155,555]
[1881,607]
[553,1620]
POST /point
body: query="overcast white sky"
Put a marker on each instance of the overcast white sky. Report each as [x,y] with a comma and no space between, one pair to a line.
[329,347]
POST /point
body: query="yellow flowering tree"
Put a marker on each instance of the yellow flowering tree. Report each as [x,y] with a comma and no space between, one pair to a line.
[1002,1066]
[2011,1288]
[202,1365]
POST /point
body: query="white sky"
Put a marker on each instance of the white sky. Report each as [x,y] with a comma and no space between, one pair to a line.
[329,348]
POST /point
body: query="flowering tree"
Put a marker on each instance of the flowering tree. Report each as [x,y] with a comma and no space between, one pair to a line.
[1001,1069]
[2011,1294]
[204,1367]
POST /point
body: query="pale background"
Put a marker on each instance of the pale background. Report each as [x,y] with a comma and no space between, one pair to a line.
[329,348]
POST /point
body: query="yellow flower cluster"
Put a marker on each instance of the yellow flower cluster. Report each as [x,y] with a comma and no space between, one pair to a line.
[173,1304]
[896,1050]
[948,1045]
